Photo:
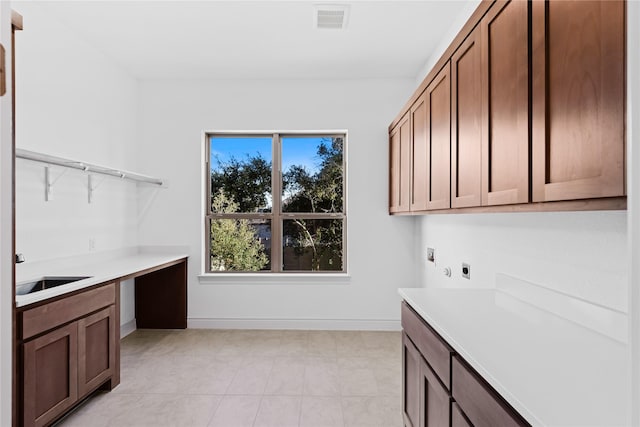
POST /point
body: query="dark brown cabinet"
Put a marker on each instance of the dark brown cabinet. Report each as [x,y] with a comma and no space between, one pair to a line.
[69,350]
[435,401]
[480,404]
[400,167]
[96,349]
[411,382]
[420,173]
[526,105]
[466,123]
[438,98]
[50,383]
[578,108]
[505,103]
[490,110]
[419,154]
[425,400]
[439,388]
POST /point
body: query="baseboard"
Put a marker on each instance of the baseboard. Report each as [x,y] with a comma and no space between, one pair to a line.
[307,324]
[127,328]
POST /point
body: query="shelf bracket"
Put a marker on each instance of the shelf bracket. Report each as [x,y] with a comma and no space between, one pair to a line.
[92,186]
[48,185]
[49,182]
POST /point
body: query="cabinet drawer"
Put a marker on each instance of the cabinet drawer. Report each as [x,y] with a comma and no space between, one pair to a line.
[481,404]
[431,346]
[48,316]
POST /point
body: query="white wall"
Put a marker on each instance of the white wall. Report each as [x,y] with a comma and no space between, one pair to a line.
[6,228]
[381,259]
[72,101]
[583,254]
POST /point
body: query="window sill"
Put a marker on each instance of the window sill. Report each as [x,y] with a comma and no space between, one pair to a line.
[273,279]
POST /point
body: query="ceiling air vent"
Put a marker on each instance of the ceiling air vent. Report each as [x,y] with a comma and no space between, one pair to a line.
[329,16]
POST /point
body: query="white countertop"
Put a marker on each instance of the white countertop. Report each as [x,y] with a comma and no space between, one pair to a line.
[100,269]
[552,371]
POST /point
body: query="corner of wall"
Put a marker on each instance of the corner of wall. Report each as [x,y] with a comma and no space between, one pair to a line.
[633,195]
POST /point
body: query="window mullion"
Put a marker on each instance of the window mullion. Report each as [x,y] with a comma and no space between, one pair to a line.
[276,205]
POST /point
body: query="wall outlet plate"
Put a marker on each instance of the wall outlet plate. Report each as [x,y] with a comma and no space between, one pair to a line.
[431,255]
[466,270]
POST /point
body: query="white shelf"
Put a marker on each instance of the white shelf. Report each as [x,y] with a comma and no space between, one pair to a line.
[87,167]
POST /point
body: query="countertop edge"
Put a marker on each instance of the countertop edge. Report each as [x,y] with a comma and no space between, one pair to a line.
[146,261]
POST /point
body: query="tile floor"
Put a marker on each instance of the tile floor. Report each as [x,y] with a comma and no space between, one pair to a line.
[231,378]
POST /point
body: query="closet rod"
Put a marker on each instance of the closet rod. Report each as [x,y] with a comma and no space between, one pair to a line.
[84,166]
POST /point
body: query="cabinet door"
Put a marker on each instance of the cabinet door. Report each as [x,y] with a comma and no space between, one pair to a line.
[411,364]
[50,382]
[435,402]
[578,62]
[96,349]
[505,86]
[400,166]
[466,123]
[419,154]
[438,95]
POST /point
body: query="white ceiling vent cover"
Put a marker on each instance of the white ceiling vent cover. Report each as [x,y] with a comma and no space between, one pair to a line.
[330,16]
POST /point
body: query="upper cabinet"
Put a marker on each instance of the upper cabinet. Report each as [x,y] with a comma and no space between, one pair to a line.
[527,105]
[578,99]
[420,153]
[438,96]
[505,96]
[466,123]
[400,166]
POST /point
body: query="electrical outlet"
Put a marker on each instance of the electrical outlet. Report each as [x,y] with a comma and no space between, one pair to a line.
[431,255]
[92,244]
[466,270]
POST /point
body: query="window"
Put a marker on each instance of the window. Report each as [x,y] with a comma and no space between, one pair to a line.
[276,203]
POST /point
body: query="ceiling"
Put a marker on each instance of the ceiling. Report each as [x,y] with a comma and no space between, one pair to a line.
[261,39]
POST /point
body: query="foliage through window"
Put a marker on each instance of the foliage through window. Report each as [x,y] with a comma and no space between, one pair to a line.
[276,203]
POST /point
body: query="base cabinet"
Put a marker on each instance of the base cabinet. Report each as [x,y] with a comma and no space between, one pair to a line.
[426,402]
[440,389]
[435,401]
[411,383]
[96,349]
[50,375]
[69,350]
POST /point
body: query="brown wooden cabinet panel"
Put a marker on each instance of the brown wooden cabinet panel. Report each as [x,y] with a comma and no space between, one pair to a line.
[458,419]
[435,401]
[47,316]
[505,86]
[50,384]
[466,123]
[411,384]
[400,167]
[438,95]
[96,349]
[419,154]
[578,103]
[429,344]
[480,403]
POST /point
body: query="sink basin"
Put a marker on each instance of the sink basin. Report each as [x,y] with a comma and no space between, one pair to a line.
[46,282]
